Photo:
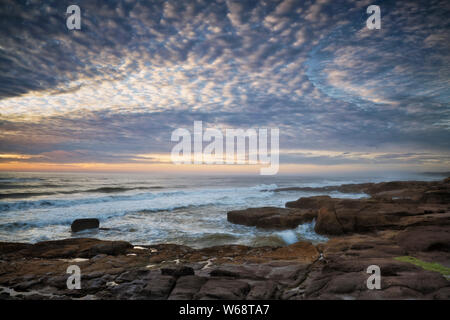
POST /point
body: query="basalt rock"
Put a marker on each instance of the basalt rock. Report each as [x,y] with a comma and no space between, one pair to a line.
[84,224]
[186,287]
[178,271]
[270,217]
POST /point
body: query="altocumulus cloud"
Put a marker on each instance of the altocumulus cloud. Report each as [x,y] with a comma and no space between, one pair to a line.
[340,93]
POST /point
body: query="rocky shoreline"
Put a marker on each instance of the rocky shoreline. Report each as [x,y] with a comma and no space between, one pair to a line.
[403,227]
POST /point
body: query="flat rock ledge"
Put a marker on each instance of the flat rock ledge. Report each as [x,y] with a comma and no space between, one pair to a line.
[271,217]
[333,270]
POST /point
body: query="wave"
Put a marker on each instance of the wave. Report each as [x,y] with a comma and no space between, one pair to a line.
[61,220]
[182,207]
[8,180]
[34,204]
[46,203]
[115,189]
[29,186]
[18,195]
[354,188]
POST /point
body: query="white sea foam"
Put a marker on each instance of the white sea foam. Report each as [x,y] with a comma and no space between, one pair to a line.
[288,236]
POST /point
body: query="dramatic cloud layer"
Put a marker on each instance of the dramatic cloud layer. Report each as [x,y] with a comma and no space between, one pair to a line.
[116,89]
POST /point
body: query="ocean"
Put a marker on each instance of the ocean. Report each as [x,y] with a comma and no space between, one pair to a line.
[156,208]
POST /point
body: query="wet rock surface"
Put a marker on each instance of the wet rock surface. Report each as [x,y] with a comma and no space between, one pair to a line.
[408,237]
[84,224]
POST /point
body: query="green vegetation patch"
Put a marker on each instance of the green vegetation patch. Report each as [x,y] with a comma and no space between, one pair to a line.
[431,266]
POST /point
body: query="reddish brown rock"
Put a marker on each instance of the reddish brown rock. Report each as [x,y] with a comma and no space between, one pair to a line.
[67,248]
[393,205]
[348,215]
[270,217]
[327,222]
[301,251]
[312,203]
[332,270]
[427,238]
[342,274]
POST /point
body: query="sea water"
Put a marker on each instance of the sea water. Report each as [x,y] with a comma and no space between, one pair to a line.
[154,208]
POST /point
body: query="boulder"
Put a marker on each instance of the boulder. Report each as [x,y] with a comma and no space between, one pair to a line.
[327,222]
[83,224]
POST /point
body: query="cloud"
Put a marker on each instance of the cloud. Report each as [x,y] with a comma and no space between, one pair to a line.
[137,70]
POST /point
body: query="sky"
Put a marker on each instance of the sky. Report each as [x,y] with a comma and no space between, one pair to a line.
[107,97]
